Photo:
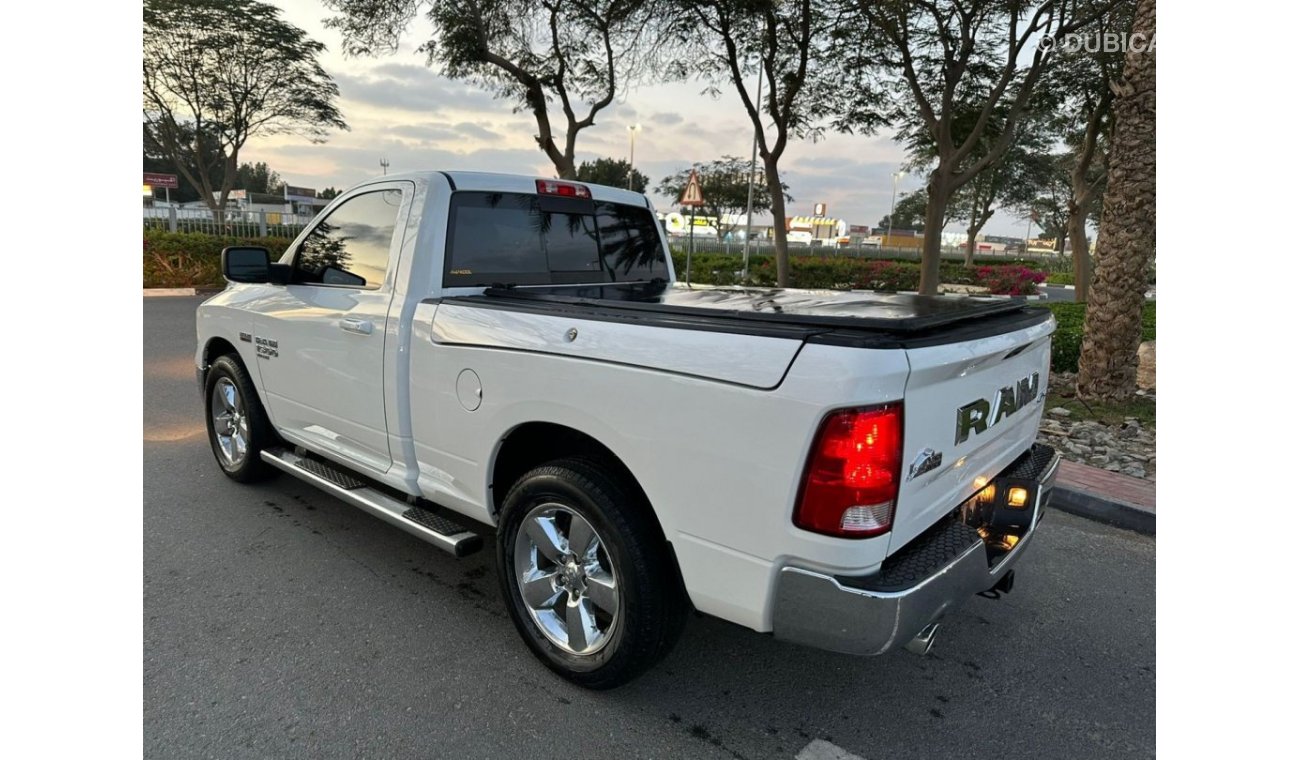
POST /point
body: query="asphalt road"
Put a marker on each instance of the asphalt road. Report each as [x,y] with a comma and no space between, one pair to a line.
[280,622]
[1057,293]
[1061,293]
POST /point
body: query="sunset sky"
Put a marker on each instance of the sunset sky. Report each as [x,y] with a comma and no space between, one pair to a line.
[400,109]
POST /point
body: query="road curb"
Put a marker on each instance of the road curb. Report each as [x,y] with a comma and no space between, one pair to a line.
[1112,512]
[1150,295]
[171,292]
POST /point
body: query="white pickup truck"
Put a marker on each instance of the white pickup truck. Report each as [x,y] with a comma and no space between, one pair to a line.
[474,355]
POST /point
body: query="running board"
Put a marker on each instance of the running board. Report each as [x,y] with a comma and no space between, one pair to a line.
[422,523]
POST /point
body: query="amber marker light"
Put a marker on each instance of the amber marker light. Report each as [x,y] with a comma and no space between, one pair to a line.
[1017,498]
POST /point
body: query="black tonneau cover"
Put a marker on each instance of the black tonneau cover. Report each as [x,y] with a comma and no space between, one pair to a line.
[895,314]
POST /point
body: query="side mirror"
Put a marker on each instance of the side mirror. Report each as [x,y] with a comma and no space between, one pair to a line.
[246,264]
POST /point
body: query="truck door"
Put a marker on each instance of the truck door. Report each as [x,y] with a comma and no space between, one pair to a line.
[321,351]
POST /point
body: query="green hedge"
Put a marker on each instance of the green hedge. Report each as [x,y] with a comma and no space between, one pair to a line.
[1068,340]
[828,272]
[193,259]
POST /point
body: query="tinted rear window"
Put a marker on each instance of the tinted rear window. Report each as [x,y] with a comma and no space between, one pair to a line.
[521,239]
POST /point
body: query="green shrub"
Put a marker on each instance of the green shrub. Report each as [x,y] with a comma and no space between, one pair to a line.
[1009,280]
[957,273]
[193,259]
[1060,278]
[843,272]
[889,275]
[1068,340]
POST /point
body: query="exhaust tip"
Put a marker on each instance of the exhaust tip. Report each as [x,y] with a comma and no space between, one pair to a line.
[924,640]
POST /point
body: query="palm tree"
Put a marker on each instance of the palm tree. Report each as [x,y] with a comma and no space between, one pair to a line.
[1126,241]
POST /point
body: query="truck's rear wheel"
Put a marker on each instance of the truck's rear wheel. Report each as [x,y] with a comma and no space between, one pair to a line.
[587,578]
[237,425]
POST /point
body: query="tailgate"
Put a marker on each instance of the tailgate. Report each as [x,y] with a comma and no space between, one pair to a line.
[977,405]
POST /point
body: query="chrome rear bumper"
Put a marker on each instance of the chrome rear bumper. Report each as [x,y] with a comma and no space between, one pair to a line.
[867,616]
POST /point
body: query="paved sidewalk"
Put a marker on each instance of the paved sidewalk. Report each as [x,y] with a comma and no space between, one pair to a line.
[1113,498]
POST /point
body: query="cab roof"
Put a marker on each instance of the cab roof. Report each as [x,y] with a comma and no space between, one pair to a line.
[515,183]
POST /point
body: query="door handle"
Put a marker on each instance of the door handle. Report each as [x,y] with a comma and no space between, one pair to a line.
[358,326]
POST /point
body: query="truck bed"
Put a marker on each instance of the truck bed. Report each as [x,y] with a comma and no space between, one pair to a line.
[867,319]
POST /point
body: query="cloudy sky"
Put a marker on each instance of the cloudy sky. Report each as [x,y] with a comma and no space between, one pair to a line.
[400,109]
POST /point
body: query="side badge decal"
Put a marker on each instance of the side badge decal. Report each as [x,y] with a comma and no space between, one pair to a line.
[267,348]
[925,461]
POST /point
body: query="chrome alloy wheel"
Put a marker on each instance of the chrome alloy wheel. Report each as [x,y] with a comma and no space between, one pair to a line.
[229,422]
[566,579]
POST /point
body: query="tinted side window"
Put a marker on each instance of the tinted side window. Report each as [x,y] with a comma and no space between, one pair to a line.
[350,246]
[515,238]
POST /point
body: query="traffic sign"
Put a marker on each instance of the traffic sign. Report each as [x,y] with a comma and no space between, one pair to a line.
[692,195]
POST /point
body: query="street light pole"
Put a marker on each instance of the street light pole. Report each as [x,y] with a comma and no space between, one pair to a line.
[749,205]
[892,197]
[631,153]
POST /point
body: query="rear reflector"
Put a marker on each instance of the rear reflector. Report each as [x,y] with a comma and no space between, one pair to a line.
[851,481]
[563,189]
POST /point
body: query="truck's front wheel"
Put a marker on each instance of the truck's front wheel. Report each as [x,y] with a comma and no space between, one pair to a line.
[587,578]
[237,425]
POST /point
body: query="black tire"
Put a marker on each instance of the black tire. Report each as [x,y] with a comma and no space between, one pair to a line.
[652,604]
[259,434]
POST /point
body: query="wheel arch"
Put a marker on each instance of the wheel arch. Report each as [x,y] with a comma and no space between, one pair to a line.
[531,444]
[535,443]
[217,347]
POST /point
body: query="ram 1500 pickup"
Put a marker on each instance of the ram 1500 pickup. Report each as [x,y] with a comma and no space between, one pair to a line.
[476,356]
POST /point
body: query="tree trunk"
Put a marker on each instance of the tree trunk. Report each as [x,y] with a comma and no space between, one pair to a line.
[936,204]
[973,230]
[1126,241]
[565,169]
[1078,226]
[230,165]
[778,222]
[205,175]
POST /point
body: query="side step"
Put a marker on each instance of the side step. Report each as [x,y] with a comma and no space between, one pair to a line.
[422,523]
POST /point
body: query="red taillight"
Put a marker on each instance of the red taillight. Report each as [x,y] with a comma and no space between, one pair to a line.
[564,189]
[851,481]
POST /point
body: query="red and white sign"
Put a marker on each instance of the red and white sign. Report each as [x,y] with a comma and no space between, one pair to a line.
[692,195]
[169,181]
